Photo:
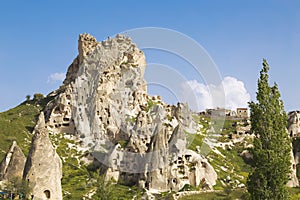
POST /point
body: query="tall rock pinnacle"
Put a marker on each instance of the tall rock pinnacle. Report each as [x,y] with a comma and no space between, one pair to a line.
[43,169]
[12,165]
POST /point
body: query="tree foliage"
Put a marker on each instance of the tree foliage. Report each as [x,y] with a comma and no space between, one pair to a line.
[272,145]
[17,187]
[105,188]
[38,96]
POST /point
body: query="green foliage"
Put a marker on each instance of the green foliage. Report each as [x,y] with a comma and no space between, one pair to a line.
[123,143]
[295,193]
[76,180]
[218,195]
[272,146]
[109,190]
[38,96]
[188,187]
[150,104]
[229,164]
[79,180]
[17,186]
[164,196]
[17,124]
[233,194]
[194,140]
[28,97]
[105,189]
[228,126]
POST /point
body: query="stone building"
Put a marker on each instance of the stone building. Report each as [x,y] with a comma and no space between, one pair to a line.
[242,112]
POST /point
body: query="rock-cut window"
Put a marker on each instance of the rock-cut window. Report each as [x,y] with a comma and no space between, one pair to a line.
[47,194]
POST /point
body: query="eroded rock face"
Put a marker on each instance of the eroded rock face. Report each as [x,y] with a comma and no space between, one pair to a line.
[293,182]
[294,123]
[43,169]
[12,165]
[138,138]
[294,131]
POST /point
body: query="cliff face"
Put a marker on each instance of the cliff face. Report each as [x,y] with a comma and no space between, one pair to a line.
[137,138]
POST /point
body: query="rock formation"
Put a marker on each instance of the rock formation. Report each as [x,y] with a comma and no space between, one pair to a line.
[294,123]
[293,182]
[43,169]
[12,165]
[138,138]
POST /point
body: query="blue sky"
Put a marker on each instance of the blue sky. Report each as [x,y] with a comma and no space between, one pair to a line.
[39,38]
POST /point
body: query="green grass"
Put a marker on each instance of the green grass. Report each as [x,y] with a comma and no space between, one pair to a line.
[234,194]
[17,124]
[231,194]
[230,163]
[76,178]
[194,140]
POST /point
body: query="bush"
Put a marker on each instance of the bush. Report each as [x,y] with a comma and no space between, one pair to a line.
[38,96]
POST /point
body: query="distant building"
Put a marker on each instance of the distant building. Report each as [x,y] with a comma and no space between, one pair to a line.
[220,112]
[242,112]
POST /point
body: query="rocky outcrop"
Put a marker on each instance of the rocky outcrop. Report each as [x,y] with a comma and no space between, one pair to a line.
[12,165]
[137,138]
[294,123]
[293,182]
[43,169]
[294,132]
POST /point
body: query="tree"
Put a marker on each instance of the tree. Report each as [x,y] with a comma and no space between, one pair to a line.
[272,145]
[18,187]
[28,97]
[105,188]
[38,96]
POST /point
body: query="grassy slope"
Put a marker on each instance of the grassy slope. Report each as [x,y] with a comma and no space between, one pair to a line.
[237,169]
[18,123]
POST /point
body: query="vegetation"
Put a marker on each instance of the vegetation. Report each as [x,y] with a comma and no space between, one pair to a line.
[80,180]
[38,96]
[195,142]
[232,194]
[109,190]
[17,187]
[240,194]
[18,123]
[272,146]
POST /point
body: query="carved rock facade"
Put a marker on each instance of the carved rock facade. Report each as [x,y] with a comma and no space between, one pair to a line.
[137,138]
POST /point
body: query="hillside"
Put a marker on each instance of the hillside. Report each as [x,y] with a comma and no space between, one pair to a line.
[105,137]
[18,123]
[78,178]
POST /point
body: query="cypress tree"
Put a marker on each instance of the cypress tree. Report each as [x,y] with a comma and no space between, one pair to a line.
[272,145]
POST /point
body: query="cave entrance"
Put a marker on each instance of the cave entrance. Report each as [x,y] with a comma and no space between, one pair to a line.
[47,194]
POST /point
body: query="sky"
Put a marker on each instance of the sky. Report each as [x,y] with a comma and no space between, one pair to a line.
[39,41]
